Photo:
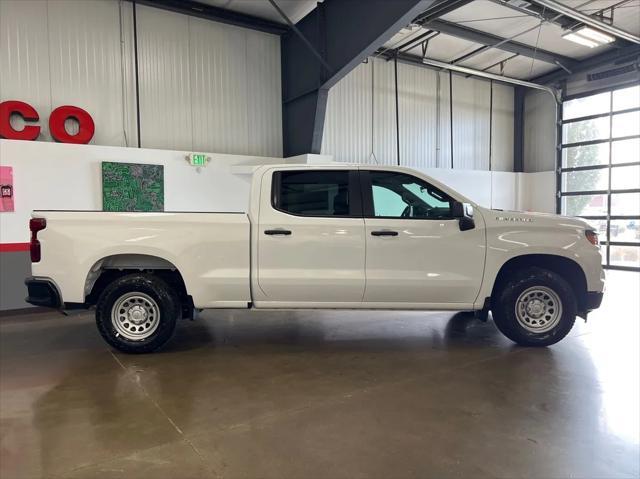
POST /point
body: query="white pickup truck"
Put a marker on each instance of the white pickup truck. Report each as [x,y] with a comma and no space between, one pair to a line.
[334,236]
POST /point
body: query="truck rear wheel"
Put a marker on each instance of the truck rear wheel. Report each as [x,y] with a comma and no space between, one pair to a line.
[535,307]
[137,313]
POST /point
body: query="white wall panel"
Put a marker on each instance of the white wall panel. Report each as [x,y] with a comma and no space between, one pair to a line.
[127,61]
[384,114]
[24,58]
[539,132]
[225,84]
[444,123]
[348,121]
[64,52]
[417,99]
[425,119]
[203,85]
[264,99]
[502,128]
[470,123]
[164,76]
[537,192]
[217,62]
[84,56]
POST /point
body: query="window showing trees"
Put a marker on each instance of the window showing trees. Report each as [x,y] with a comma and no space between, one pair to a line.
[600,170]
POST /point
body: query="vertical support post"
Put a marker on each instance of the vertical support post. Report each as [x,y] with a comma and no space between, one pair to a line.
[135,66]
[608,255]
[490,122]
[518,129]
[451,115]
[395,72]
[559,153]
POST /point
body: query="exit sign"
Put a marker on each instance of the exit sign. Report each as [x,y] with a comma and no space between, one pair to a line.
[198,159]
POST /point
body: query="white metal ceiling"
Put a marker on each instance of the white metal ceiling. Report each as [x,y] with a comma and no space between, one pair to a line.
[483,15]
[489,17]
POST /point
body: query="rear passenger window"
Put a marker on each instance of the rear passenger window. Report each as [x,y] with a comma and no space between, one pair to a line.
[312,193]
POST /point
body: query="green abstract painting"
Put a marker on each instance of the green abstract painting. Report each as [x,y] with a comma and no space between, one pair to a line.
[132,187]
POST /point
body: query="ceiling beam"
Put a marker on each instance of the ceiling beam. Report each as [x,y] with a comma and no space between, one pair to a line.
[630,53]
[588,20]
[500,43]
[329,30]
[430,63]
[541,13]
[216,14]
[440,9]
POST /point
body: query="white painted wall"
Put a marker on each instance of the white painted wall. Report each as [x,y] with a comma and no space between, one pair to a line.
[537,192]
[360,124]
[204,86]
[502,189]
[62,176]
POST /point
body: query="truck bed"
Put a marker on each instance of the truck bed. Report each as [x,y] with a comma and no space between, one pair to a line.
[211,251]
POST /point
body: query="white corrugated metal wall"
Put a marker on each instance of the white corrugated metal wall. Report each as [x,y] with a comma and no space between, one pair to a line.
[351,96]
[471,111]
[482,119]
[63,52]
[502,128]
[384,113]
[539,132]
[417,107]
[203,85]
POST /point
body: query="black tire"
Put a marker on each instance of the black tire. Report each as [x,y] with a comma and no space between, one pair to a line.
[504,304]
[149,286]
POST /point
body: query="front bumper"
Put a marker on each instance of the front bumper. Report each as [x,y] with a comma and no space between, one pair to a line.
[594,300]
[42,292]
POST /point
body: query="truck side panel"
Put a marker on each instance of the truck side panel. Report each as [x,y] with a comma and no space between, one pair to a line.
[210,250]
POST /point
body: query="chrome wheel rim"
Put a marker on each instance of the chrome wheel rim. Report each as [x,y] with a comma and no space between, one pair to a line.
[538,309]
[135,316]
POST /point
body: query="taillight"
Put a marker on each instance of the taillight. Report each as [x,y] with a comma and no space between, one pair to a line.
[35,225]
[592,236]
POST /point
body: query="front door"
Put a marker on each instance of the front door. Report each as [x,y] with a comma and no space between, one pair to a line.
[311,244]
[416,252]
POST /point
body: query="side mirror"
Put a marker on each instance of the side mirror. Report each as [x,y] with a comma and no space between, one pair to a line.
[464,212]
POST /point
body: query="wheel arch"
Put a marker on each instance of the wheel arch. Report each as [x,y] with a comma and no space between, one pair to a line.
[109,268]
[567,268]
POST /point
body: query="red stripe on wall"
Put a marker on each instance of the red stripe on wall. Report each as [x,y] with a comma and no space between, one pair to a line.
[12,247]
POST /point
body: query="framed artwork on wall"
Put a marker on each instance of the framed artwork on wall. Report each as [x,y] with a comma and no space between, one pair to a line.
[132,187]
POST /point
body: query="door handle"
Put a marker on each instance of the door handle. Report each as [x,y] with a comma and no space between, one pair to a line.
[384,233]
[277,232]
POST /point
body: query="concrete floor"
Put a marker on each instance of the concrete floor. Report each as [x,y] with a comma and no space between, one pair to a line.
[324,395]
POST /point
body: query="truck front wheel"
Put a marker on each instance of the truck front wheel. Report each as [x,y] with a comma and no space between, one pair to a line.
[535,307]
[137,313]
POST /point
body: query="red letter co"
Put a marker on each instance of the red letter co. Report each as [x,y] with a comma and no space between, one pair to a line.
[56,123]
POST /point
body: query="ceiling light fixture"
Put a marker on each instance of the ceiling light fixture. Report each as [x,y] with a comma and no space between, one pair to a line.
[588,37]
[597,35]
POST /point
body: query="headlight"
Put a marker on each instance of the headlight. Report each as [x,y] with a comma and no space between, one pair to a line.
[592,237]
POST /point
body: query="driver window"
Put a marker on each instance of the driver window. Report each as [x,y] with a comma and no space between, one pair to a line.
[397,195]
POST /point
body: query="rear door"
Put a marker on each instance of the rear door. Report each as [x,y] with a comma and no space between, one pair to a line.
[416,252]
[311,238]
